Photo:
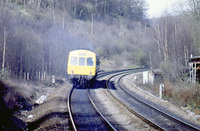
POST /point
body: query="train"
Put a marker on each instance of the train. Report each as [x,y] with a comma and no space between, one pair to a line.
[83,65]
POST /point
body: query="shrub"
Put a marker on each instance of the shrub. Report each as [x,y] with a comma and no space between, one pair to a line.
[185,94]
[5,73]
[171,71]
[17,95]
[169,90]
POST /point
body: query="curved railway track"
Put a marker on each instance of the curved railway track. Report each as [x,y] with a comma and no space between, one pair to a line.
[84,115]
[152,115]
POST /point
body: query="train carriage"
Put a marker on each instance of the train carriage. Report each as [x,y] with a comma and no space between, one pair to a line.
[82,64]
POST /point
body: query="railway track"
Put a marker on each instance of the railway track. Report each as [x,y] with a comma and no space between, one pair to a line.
[152,115]
[83,113]
[115,112]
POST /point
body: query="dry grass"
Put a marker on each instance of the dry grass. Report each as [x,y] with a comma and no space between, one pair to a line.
[169,89]
[18,95]
[183,94]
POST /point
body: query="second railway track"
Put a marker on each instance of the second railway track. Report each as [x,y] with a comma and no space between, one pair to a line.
[153,115]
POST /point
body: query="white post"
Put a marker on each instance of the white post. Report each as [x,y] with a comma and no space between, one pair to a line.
[39,75]
[24,75]
[27,76]
[44,75]
[195,72]
[145,77]
[53,79]
[161,90]
[192,73]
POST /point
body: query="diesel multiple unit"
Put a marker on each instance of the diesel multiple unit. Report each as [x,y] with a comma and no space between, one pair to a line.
[82,64]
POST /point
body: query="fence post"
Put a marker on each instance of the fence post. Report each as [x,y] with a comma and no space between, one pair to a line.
[24,75]
[27,76]
[44,75]
[161,90]
[39,75]
[53,79]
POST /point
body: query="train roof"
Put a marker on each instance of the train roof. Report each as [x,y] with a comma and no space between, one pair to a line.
[82,52]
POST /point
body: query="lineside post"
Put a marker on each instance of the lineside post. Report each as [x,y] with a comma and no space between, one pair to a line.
[53,79]
[161,90]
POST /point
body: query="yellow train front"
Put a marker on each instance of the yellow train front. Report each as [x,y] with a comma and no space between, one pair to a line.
[82,65]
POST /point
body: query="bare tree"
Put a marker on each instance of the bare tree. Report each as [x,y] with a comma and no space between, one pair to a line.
[5,19]
[190,9]
[160,35]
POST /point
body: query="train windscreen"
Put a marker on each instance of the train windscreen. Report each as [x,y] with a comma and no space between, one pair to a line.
[74,61]
[81,61]
[90,61]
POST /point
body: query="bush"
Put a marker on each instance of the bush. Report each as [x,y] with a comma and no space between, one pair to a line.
[171,71]
[5,73]
[17,96]
[184,94]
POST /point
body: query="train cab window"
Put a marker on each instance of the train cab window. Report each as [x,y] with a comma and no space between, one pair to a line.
[74,61]
[82,61]
[90,61]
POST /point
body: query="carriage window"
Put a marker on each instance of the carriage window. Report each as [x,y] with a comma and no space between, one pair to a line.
[82,61]
[74,61]
[90,61]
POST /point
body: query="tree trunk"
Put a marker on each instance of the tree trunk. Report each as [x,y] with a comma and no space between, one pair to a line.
[38,4]
[63,19]
[92,22]
[50,62]
[54,19]
[74,14]
[24,5]
[43,64]
[158,41]
[4,49]
[105,8]
[166,42]
[21,69]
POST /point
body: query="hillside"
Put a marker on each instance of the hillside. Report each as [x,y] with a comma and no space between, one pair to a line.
[36,37]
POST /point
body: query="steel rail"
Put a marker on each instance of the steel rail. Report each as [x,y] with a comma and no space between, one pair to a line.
[69,103]
[157,109]
[132,111]
[138,114]
[101,75]
[120,71]
[70,111]
[90,98]
[111,126]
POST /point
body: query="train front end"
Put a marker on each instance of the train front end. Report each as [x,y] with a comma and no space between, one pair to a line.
[81,64]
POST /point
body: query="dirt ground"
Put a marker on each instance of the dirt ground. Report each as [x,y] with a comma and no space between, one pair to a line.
[53,113]
[49,113]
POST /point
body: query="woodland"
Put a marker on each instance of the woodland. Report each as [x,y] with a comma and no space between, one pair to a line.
[37,35]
